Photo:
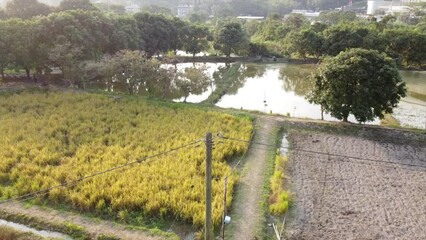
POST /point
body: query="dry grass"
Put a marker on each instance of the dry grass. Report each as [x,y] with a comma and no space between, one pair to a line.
[7,233]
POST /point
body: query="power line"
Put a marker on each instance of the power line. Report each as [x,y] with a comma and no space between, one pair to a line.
[324,153]
[45,191]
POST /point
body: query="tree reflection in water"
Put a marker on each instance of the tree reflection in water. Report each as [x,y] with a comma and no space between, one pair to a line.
[297,78]
[231,77]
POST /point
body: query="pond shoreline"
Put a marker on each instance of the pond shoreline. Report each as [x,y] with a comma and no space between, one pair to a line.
[270,60]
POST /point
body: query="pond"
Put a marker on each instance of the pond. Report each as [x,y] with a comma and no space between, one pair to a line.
[281,88]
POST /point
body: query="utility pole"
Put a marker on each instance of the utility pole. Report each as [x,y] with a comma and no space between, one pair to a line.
[224,208]
[209,147]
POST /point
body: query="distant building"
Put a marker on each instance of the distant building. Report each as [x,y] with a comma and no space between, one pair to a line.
[258,18]
[133,8]
[307,13]
[184,10]
[389,6]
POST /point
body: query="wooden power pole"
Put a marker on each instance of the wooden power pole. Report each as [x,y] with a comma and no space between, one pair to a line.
[209,147]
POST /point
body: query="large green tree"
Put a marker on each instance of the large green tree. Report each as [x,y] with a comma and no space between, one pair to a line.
[340,37]
[305,42]
[159,34]
[361,82]
[231,38]
[196,39]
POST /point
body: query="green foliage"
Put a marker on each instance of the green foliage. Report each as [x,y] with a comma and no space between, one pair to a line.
[48,139]
[159,34]
[67,58]
[407,44]
[84,5]
[271,30]
[295,21]
[196,39]
[154,9]
[26,9]
[361,82]
[336,17]
[231,38]
[342,37]
[305,42]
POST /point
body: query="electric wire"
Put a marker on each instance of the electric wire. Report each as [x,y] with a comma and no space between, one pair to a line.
[324,153]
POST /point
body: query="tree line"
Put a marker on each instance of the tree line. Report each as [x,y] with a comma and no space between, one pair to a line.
[336,31]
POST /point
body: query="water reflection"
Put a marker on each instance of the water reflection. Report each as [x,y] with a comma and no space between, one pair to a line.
[296,78]
[280,88]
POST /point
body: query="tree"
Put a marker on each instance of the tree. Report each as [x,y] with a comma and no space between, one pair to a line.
[361,82]
[305,42]
[231,39]
[3,14]
[335,17]
[85,5]
[6,57]
[158,33]
[273,29]
[340,37]
[196,39]
[417,53]
[117,9]
[126,34]
[26,9]
[23,44]
[154,9]
[68,59]
[296,21]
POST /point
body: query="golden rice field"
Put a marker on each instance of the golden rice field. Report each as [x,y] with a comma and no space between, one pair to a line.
[54,138]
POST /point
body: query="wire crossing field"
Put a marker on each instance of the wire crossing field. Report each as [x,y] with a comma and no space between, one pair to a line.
[53,138]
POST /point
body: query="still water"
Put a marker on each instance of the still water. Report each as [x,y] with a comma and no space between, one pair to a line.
[282,88]
[41,233]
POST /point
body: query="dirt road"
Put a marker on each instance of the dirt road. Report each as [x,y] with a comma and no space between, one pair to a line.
[94,227]
[246,210]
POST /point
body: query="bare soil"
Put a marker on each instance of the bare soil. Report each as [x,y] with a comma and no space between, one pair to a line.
[378,194]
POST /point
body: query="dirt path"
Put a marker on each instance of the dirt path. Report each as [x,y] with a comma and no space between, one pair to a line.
[95,227]
[247,213]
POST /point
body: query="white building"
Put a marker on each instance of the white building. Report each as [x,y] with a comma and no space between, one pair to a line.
[389,6]
[133,8]
[307,13]
[184,10]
